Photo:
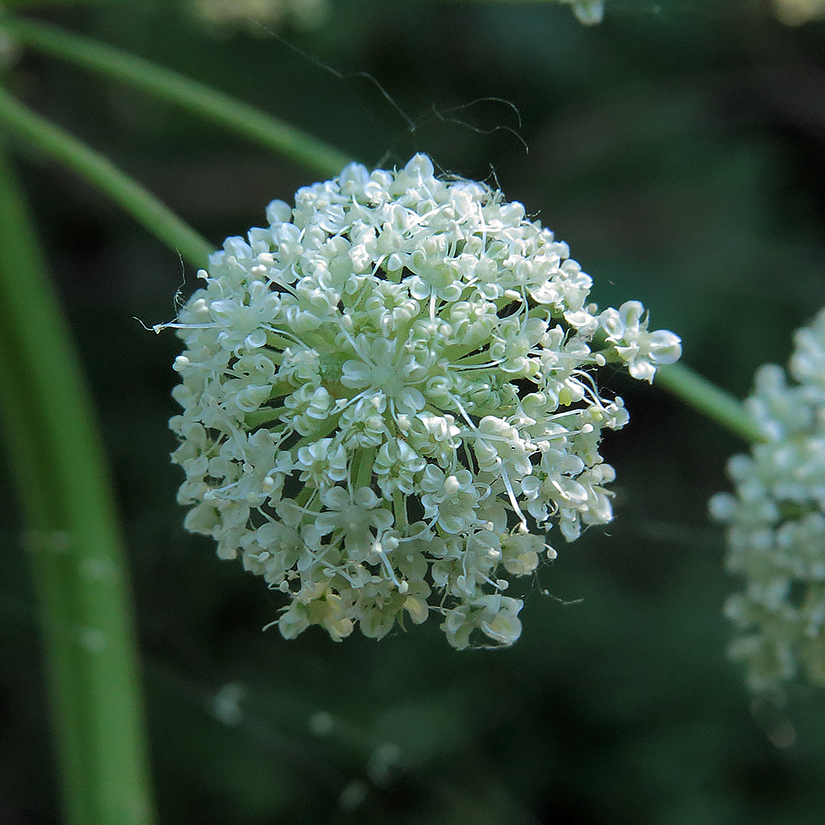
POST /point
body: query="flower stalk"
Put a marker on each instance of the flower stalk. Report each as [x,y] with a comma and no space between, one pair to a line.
[72,532]
[272,133]
[720,406]
[89,164]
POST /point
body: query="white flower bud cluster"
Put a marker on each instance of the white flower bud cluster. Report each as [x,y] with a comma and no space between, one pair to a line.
[776,523]
[388,398]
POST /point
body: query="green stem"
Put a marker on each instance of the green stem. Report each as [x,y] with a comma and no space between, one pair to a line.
[137,201]
[708,399]
[77,555]
[201,100]
[70,719]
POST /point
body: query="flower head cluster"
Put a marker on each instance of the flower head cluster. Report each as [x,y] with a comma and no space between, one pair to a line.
[388,398]
[776,522]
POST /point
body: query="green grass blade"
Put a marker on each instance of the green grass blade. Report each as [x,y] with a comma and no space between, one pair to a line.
[78,558]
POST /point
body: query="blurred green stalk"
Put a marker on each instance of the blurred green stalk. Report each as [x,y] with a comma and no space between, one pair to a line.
[196,98]
[718,405]
[72,533]
[131,196]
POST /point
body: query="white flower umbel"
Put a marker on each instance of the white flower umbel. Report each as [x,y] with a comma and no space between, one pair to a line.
[776,523]
[389,398]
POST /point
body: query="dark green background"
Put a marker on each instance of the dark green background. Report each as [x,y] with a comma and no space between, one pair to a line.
[680,149]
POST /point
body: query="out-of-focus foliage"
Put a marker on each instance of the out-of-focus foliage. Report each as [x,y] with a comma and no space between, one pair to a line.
[678,148]
[799,12]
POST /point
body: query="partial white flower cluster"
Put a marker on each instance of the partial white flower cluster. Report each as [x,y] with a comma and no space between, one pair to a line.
[798,12]
[776,522]
[257,16]
[388,399]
